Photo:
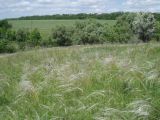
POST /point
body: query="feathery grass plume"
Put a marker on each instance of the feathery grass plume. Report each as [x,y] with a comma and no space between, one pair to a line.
[73,89]
[140,108]
[28,89]
[136,110]
[134,68]
[124,63]
[108,60]
[26,86]
[92,107]
[152,75]
[77,76]
[109,114]
[97,93]
[82,86]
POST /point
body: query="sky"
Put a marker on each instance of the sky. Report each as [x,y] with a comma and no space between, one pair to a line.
[18,8]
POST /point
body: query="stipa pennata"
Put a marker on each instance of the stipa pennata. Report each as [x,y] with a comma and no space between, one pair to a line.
[140,108]
[26,86]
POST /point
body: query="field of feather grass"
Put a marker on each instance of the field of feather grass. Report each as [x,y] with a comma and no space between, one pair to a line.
[101,82]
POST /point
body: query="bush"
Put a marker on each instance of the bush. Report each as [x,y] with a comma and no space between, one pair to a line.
[10,35]
[35,38]
[12,47]
[123,33]
[3,46]
[47,42]
[62,36]
[88,32]
[5,25]
[2,33]
[143,26]
[157,32]
[22,35]
[8,47]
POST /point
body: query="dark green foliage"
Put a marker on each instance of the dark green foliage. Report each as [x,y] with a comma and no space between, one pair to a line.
[2,33]
[62,36]
[119,33]
[5,25]
[126,18]
[35,38]
[123,32]
[10,35]
[109,34]
[157,31]
[3,44]
[12,47]
[8,47]
[88,32]
[47,42]
[22,35]
[104,16]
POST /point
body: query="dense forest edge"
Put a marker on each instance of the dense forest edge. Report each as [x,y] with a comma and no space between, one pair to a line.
[102,16]
[129,28]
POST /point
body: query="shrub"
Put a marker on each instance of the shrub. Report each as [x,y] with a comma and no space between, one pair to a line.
[124,28]
[35,38]
[12,47]
[88,32]
[2,33]
[10,35]
[48,42]
[143,26]
[123,33]
[3,46]
[22,35]
[157,31]
[62,36]
[5,25]
[8,47]
[109,34]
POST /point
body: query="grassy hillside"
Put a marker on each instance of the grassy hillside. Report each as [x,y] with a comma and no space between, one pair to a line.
[45,26]
[106,82]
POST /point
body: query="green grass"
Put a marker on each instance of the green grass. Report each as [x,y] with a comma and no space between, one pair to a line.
[45,26]
[101,82]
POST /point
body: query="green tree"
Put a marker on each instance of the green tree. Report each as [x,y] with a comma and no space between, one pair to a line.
[5,25]
[62,36]
[35,37]
[10,35]
[122,30]
[88,32]
[22,35]
[143,26]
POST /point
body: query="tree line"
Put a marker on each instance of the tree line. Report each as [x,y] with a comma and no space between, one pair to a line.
[103,16]
[129,28]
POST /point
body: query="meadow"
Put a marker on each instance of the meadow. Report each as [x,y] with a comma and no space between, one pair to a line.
[46,26]
[99,82]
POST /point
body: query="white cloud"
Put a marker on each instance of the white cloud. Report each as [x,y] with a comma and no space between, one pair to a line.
[16,8]
[142,5]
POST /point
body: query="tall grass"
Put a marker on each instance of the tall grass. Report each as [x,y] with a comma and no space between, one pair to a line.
[104,82]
